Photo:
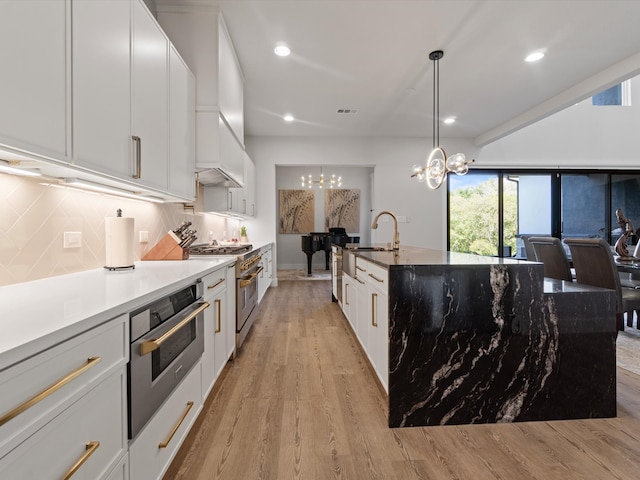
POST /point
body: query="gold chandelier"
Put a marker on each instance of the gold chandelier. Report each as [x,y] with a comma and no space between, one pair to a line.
[438,165]
[331,182]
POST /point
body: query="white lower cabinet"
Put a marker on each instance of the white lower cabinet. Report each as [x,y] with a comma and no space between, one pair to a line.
[266,274]
[371,321]
[58,377]
[85,440]
[349,299]
[215,356]
[151,452]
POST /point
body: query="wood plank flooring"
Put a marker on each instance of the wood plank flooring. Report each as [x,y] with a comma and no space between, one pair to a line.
[300,402]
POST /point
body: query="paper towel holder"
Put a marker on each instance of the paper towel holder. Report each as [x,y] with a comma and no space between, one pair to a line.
[125,267]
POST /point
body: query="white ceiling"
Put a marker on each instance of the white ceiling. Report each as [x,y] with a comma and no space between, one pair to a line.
[372,55]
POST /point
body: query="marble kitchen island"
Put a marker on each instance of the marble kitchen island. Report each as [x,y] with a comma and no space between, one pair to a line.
[476,339]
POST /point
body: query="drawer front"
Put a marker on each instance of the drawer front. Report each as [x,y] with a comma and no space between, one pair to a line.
[152,450]
[39,388]
[214,282]
[377,276]
[93,429]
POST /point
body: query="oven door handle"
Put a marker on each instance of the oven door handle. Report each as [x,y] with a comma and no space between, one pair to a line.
[246,281]
[153,344]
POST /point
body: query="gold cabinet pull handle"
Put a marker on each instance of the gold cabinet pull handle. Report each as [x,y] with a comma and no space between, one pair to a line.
[90,447]
[165,444]
[346,294]
[209,287]
[153,344]
[376,278]
[361,281]
[218,303]
[374,297]
[361,269]
[138,141]
[260,269]
[91,361]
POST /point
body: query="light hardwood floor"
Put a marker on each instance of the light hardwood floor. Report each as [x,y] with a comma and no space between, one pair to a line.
[299,402]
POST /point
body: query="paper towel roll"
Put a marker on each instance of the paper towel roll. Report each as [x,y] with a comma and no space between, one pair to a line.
[119,241]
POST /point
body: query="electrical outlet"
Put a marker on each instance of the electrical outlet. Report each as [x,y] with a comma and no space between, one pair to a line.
[403,219]
[144,236]
[72,239]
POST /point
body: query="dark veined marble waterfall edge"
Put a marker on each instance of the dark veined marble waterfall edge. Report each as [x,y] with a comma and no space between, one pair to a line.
[486,344]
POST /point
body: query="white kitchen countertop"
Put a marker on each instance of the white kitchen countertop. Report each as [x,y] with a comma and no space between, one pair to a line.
[37,315]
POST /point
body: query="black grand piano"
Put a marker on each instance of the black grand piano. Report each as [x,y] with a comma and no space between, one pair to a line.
[322,241]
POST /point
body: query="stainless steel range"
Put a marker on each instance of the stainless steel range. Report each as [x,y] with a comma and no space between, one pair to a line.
[248,268]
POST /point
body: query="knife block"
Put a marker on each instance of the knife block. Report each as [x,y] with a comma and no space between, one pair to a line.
[168,248]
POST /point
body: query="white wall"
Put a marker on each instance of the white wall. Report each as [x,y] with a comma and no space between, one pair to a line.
[393,189]
[582,136]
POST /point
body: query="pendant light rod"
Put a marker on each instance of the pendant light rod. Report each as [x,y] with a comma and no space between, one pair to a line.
[436,55]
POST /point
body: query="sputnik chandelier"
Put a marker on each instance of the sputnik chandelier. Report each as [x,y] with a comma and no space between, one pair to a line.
[331,182]
[438,165]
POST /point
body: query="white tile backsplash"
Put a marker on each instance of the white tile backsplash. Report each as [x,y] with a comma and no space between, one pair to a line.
[34,217]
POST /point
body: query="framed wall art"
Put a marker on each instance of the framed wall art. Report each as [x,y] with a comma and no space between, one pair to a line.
[296,211]
[342,209]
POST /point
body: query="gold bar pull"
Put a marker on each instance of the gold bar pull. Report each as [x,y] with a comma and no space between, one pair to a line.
[151,345]
[346,294]
[376,278]
[218,303]
[358,279]
[90,447]
[165,444]
[91,361]
[374,297]
[361,269]
[209,287]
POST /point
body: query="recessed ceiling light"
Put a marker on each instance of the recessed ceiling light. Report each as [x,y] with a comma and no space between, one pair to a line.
[449,120]
[282,50]
[534,57]
[288,118]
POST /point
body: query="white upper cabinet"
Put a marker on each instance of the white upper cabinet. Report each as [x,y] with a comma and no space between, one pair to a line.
[34,84]
[150,109]
[182,137]
[101,86]
[199,34]
[231,84]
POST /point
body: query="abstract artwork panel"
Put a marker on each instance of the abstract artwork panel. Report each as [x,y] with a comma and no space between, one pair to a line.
[296,210]
[342,209]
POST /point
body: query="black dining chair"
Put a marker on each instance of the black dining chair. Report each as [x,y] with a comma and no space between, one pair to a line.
[594,265]
[549,250]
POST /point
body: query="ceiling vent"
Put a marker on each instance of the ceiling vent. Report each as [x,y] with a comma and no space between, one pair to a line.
[351,111]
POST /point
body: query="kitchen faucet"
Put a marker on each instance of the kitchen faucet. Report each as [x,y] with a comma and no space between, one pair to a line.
[396,237]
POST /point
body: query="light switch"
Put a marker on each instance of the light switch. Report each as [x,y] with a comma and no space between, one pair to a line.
[72,240]
[144,236]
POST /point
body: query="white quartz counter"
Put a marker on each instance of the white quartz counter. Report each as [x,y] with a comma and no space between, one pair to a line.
[36,315]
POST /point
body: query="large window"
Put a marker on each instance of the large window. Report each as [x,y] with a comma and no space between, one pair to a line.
[491,212]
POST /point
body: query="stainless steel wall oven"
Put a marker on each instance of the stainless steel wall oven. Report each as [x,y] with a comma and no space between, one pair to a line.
[166,341]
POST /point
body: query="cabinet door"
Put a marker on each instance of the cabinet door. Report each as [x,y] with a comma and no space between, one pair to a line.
[182,136]
[362,309]
[33,96]
[101,86]
[215,288]
[231,313]
[150,87]
[230,84]
[249,186]
[378,338]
